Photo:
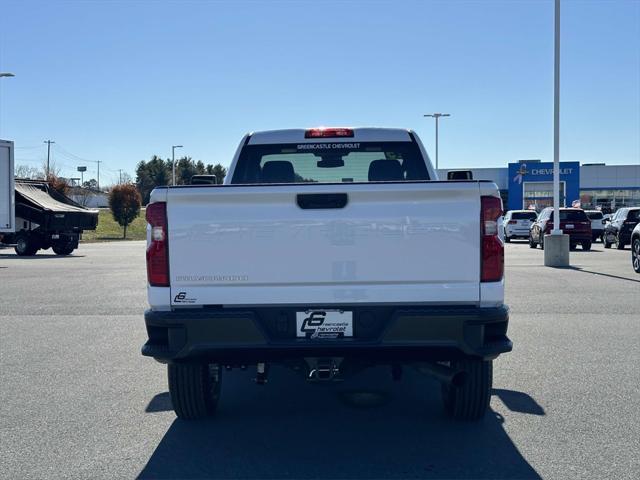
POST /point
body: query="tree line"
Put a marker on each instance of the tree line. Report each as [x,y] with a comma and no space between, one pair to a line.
[149,174]
[158,172]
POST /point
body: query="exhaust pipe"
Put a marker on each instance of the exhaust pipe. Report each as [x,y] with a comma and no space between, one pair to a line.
[444,374]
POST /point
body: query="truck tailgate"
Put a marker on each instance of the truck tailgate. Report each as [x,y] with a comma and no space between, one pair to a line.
[391,243]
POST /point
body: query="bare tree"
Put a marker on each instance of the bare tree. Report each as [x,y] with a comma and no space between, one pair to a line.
[25,171]
[54,170]
[83,195]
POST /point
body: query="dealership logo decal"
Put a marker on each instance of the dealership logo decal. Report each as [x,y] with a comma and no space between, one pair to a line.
[322,324]
[182,298]
[311,324]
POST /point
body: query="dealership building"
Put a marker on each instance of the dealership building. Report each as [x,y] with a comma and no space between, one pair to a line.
[529,184]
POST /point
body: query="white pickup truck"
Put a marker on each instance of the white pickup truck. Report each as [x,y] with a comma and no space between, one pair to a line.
[327,250]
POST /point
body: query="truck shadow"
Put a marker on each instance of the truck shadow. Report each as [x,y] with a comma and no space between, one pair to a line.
[368,427]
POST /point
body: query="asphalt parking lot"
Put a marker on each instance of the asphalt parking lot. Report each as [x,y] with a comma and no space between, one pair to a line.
[79,401]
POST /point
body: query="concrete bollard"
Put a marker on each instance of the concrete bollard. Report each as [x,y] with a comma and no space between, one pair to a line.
[556,250]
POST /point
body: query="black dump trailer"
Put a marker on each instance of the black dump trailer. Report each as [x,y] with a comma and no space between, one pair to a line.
[46,219]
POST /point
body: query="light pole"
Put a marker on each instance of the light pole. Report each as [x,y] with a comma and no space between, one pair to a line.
[437,117]
[556,245]
[48,142]
[556,122]
[173,160]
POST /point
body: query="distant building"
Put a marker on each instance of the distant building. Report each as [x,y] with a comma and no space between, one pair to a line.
[529,184]
[89,197]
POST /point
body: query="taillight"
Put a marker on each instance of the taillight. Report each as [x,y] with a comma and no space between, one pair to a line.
[328,132]
[158,250]
[492,264]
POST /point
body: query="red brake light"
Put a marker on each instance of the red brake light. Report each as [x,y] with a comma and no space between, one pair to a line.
[328,132]
[492,264]
[158,252]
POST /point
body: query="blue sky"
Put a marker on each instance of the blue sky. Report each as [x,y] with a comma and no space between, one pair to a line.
[120,81]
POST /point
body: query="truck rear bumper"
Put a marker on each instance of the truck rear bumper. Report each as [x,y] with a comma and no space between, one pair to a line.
[381,333]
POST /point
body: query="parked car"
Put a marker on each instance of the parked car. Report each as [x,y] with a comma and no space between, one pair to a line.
[517,223]
[573,221]
[635,248]
[328,237]
[618,230]
[598,223]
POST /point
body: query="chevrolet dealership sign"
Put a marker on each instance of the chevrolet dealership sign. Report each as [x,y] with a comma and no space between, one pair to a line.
[541,173]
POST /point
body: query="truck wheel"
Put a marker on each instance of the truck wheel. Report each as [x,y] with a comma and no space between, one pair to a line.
[470,401]
[26,246]
[586,246]
[62,249]
[194,389]
[635,254]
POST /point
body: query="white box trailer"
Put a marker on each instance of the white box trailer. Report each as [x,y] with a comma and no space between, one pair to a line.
[7,198]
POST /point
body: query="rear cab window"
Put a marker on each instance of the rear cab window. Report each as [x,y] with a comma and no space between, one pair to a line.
[524,216]
[572,216]
[330,162]
[633,215]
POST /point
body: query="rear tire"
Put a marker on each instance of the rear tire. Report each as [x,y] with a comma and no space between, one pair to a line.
[586,246]
[26,245]
[471,401]
[194,389]
[635,254]
[62,250]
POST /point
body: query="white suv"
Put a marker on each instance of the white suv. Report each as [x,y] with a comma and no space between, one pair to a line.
[517,222]
[597,224]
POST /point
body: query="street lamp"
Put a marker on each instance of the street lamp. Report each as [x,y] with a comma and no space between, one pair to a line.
[173,161]
[437,116]
[557,244]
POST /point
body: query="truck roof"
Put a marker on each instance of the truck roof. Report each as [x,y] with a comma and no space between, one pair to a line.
[363,134]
